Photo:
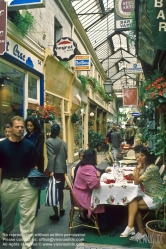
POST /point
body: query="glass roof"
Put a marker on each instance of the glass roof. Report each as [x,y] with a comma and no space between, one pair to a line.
[112,48]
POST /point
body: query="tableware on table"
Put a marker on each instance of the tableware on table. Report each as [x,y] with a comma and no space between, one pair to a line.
[109,181]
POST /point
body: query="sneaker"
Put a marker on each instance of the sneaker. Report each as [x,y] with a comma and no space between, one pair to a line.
[127,232]
[62,212]
[139,236]
[5,236]
[53,217]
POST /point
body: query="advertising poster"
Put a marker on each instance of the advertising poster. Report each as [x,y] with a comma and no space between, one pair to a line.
[123,10]
[130,96]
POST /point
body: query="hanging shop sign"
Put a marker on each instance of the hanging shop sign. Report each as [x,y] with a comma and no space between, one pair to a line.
[134,68]
[130,96]
[123,9]
[25,4]
[157,16]
[3,26]
[65,49]
[145,42]
[82,62]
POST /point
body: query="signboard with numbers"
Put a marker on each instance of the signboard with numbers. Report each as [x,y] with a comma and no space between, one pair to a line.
[3,26]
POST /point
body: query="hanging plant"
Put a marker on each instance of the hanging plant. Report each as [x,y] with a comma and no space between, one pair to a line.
[108,98]
[154,89]
[90,123]
[23,23]
[75,118]
[84,81]
[43,113]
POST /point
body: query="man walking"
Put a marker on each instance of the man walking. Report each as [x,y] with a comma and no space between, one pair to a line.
[129,134]
[116,140]
[17,156]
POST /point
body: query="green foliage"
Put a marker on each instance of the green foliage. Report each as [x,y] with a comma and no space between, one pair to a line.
[65,64]
[160,214]
[94,139]
[84,81]
[96,85]
[23,23]
[90,123]
[108,98]
[75,118]
[160,138]
[132,33]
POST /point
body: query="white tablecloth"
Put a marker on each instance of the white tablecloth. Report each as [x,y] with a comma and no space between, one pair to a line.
[115,193]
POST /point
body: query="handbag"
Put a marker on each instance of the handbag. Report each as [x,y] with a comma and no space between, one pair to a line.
[46,172]
[37,179]
[52,197]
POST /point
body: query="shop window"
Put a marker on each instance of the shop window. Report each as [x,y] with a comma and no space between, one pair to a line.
[32,87]
[11,94]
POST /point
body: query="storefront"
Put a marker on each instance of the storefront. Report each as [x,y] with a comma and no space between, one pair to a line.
[21,80]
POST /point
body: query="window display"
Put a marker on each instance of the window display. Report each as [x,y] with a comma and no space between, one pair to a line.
[11,94]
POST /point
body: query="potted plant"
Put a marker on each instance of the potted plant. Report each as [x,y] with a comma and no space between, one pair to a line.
[95,139]
[156,229]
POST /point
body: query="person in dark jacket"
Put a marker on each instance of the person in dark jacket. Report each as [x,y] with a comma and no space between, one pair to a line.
[35,135]
[116,141]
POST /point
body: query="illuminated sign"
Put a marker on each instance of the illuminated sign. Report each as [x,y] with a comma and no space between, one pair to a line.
[25,4]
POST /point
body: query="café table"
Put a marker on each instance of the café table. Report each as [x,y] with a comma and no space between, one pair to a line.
[129,158]
[118,193]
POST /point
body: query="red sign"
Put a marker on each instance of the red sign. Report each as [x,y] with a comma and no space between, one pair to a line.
[3,26]
[130,96]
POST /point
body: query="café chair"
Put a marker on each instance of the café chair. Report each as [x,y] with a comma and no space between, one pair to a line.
[130,153]
[72,169]
[76,210]
[161,171]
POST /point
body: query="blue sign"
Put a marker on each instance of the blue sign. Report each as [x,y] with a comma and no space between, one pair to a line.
[24,4]
[135,114]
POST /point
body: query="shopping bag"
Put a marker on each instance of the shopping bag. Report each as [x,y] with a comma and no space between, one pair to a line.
[106,140]
[52,197]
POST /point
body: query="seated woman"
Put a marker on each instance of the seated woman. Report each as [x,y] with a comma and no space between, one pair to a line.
[87,179]
[152,183]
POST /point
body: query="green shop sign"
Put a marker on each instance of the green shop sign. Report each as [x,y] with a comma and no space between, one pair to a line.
[157,16]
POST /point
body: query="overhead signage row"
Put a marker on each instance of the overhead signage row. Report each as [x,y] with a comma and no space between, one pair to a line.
[82,62]
[134,68]
[123,10]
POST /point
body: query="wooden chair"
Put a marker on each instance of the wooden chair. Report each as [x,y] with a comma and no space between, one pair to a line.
[161,171]
[130,153]
[76,210]
[72,168]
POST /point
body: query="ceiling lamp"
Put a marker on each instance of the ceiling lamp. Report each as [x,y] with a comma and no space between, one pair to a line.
[108,86]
